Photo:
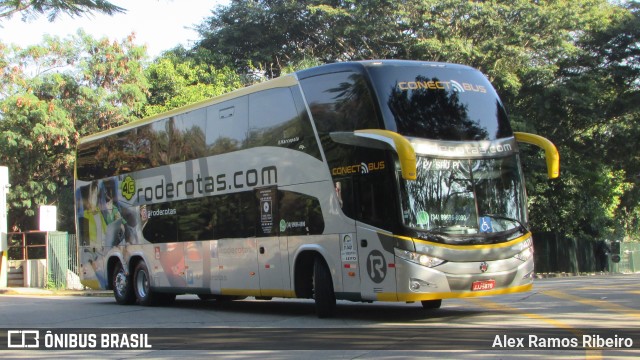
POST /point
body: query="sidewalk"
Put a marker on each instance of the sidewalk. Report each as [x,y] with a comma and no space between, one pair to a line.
[50,292]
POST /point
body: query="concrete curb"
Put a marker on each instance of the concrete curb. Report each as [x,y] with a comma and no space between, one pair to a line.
[587,274]
[48,292]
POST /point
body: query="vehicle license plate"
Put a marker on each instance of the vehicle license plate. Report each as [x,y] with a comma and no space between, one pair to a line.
[483,285]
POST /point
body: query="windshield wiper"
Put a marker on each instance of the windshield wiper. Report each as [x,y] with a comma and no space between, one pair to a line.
[455,229]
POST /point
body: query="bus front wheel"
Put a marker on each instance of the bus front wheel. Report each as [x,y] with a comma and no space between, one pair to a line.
[122,287]
[323,293]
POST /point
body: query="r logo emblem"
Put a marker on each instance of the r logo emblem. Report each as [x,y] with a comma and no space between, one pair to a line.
[376,266]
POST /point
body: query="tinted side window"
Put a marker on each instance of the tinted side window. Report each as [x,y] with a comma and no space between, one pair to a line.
[208,218]
[227,126]
[275,120]
[376,202]
[340,102]
[87,162]
[188,136]
[159,142]
[108,156]
[300,214]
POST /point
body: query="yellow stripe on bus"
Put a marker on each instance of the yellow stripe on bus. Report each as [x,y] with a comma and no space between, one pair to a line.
[450,295]
[468,247]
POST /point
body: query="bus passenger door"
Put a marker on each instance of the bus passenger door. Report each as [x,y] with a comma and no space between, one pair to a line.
[377,267]
[376,210]
[270,245]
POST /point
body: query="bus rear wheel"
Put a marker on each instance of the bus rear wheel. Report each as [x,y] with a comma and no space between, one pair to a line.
[142,288]
[122,286]
[323,293]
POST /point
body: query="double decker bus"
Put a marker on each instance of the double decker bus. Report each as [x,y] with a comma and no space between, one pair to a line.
[363,181]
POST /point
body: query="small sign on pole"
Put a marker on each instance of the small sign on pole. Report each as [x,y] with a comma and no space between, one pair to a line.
[48,216]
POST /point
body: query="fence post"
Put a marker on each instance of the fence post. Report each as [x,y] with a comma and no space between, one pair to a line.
[4,246]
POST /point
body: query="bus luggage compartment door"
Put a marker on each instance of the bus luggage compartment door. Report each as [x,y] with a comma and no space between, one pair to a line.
[238,267]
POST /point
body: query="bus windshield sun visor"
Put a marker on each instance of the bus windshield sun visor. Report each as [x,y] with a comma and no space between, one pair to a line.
[551,153]
[382,139]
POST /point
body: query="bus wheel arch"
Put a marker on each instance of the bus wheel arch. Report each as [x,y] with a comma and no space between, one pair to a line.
[313,280]
[111,264]
[303,274]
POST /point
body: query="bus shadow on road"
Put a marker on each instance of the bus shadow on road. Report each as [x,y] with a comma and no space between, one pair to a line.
[379,311]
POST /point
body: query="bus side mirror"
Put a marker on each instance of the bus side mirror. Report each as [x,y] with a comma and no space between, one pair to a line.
[382,139]
[551,153]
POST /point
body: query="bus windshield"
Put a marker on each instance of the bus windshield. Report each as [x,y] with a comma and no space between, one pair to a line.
[465,196]
[444,103]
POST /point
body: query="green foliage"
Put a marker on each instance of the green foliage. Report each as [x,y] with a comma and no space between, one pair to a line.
[589,107]
[51,94]
[270,35]
[567,70]
[53,8]
[177,81]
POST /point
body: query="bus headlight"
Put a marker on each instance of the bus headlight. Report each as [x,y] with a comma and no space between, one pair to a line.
[422,259]
[525,254]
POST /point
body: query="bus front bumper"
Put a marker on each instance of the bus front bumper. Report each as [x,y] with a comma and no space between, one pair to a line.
[416,282]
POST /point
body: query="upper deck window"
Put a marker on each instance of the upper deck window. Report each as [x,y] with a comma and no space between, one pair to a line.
[340,102]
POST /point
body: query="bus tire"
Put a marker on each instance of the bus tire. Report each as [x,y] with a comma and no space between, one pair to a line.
[323,293]
[142,287]
[431,304]
[122,286]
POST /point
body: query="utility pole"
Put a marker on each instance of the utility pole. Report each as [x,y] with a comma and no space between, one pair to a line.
[4,247]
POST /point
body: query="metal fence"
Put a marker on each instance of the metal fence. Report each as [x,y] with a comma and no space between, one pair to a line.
[58,248]
[62,259]
[555,253]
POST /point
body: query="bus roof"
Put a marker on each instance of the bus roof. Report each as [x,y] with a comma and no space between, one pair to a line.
[283,81]
[360,65]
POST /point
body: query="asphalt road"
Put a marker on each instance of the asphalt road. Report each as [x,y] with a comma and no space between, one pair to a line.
[573,317]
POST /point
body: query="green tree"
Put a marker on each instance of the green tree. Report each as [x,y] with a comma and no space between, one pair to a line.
[270,35]
[590,106]
[53,8]
[176,80]
[50,95]
[567,70]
